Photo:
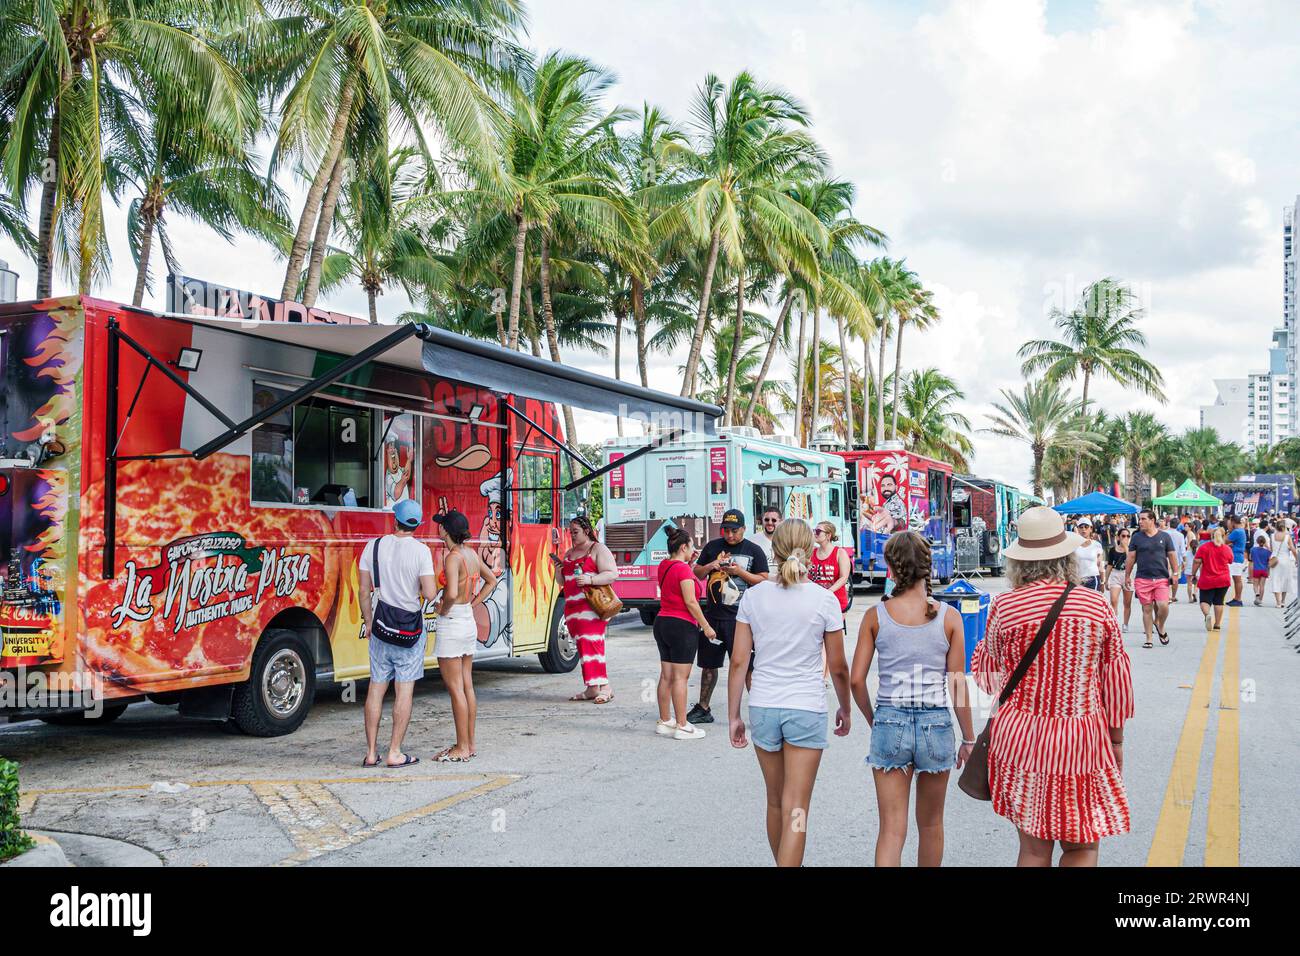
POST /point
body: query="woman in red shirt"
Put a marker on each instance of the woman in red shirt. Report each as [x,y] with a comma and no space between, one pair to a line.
[1210,571]
[830,564]
[677,632]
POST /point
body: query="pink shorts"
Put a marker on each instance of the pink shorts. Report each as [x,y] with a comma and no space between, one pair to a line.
[1151,589]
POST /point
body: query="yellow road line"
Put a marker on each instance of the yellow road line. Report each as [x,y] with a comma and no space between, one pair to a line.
[1223,831]
[194,784]
[1170,840]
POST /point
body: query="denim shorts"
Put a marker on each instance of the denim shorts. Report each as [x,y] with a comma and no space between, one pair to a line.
[388,662]
[920,737]
[770,727]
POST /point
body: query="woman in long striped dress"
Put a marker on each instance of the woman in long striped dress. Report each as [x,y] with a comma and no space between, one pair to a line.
[587,563]
[1056,756]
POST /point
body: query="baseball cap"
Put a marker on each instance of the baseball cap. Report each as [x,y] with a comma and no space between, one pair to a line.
[408,513]
[455,522]
[733,518]
[1082,522]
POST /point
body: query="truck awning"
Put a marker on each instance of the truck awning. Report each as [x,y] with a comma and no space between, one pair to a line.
[431,349]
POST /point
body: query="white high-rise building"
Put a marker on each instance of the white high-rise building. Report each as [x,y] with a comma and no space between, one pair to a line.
[1290,318]
[1230,413]
[1270,397]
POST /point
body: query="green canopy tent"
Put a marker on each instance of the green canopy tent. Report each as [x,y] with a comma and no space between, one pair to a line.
[1188,495]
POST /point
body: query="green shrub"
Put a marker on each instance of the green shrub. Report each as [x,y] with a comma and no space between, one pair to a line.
[12,839]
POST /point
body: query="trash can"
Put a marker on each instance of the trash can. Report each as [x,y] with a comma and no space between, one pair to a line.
[973,606]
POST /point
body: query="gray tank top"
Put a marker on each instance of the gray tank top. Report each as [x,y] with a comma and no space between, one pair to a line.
[913,661]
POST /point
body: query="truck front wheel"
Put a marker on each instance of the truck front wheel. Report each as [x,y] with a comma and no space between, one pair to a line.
[561,654]
[281,686]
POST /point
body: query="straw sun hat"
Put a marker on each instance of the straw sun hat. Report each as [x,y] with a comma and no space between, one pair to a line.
[1042,537]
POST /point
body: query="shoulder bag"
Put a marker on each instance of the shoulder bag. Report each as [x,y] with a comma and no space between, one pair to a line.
[392,624]
[974,779]
[602,599]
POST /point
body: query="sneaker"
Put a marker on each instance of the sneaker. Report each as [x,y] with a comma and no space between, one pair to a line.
[1258,602]
[1234,604]
[699,715]
[688,733]
[1209,620]
[665,728]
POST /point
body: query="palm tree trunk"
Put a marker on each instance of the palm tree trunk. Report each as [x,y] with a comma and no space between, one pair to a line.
[638,319]
[548,320]
[618,359]
[370,300]
[737,337]
[49,196]
[898,377]
[880,385]
[772,346]
[1078,455]
[817,374]
[311,208]
[320,241]
[701,317]
[799,361]
[517,282]
[867,385]
[1038,470]
[501,328]
[142,269]
[848,386]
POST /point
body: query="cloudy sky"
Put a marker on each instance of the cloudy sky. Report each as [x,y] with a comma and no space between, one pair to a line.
[1012,150]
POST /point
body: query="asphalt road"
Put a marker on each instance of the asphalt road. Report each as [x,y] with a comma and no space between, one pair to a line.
[1210,771]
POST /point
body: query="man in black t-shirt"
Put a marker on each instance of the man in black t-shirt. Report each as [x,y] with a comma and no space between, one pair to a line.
[729,565]
[1152,556]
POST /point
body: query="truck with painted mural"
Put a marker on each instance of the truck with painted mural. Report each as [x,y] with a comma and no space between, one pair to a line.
[690,484]
[898,490]
[183,499]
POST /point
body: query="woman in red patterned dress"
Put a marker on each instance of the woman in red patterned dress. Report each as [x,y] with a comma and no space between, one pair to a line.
[1056,753]
[587,563]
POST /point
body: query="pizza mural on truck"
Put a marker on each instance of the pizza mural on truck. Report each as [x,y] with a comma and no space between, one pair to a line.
[209,552]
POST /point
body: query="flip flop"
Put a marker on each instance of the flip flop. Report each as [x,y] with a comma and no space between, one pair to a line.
[446,757]
[368,764]
[1148,644]
[582,696]
[407,760]
[1164,638]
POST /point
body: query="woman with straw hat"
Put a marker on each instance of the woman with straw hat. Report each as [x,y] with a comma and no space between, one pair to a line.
[1056,751]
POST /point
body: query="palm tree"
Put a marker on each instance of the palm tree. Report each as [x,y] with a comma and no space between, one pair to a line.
[898,287]
[931,426]
[830,401]
[174,163]
[749,140]
[1200,454]
[1099,337]
[1043,417]
[1140,436]
[337,65]
[70,67]
[920,312]
[382,213]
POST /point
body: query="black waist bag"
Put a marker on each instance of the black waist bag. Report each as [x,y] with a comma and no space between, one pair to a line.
[392,624]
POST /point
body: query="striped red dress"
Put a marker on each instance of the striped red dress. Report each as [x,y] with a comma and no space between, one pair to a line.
[1052,769]
[584,624]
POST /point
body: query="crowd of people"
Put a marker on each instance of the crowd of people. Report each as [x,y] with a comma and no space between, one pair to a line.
[1211,557]
[772,608]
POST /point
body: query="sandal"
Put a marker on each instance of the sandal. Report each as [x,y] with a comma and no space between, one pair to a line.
[368,764]
[446,757]
[407,761]
[1164,638]
[582,696]
[604,698]
[1148,644]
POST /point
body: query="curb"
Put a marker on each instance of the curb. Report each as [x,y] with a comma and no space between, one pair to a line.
[45,853]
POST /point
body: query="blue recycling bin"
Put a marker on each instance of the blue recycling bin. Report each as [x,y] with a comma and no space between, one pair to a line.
[973,606]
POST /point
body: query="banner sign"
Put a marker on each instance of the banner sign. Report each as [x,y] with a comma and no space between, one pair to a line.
[189,296]
[718,471]
[617,481]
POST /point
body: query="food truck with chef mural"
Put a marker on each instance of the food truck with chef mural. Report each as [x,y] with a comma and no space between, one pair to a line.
[184,496]
[691,483]
[897,490]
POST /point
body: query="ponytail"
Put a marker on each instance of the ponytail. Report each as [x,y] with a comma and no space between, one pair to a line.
[792,545]
[794,568]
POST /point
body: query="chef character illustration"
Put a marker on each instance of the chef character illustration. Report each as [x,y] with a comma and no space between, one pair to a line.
[397,472]
[492,616]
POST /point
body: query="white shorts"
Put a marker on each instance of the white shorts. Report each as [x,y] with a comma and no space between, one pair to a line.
[457,632]
[1237,569]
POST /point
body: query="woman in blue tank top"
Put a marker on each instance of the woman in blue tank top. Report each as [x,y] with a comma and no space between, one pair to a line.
[921,651]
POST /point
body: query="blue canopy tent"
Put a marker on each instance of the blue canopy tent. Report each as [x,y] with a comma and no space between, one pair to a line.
[1097,503]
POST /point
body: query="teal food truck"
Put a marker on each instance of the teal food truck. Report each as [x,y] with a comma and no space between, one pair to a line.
[692,482]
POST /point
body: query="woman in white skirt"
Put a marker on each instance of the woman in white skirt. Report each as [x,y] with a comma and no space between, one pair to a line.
[1282,565]
[465,581]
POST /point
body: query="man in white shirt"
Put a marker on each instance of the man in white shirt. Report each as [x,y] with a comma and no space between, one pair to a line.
[405,581]
[770,518]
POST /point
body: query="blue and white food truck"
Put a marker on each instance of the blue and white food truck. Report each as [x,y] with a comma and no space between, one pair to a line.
[690,483]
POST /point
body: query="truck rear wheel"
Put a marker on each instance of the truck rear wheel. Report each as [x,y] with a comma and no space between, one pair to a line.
[109,714]
[281,686]
[648,615]
[561,654]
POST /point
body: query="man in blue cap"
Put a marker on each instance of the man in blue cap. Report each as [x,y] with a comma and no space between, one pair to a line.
[400,568]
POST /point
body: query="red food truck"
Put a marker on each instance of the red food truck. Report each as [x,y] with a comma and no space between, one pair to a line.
[183,497]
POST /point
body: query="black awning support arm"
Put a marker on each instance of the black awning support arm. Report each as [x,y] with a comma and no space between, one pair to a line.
[346,367]
[567,449]
[666,438]
[116,329]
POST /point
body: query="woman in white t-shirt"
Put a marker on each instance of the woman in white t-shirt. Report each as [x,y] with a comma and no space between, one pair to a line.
[1088,557]
[786,623]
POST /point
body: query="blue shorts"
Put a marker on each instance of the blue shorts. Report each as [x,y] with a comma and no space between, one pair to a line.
[920,737]
[770,727]
[389,662]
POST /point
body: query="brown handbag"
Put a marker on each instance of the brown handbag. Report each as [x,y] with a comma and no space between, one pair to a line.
[974,779]
[603,600]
